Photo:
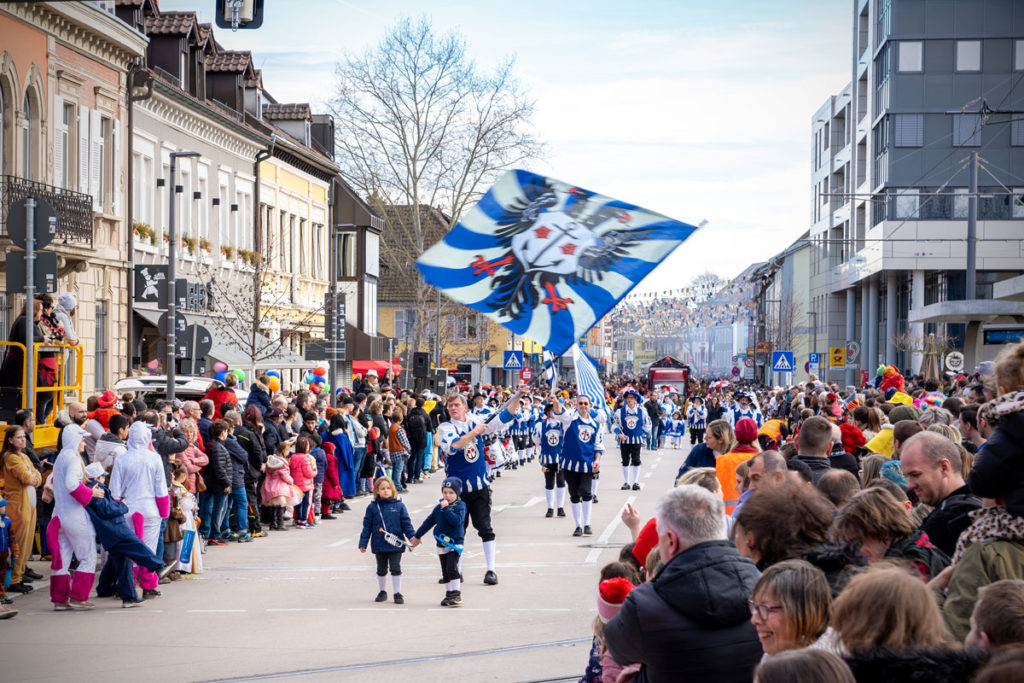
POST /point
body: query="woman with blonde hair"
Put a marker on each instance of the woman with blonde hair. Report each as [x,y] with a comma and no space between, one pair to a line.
[791,606]
[871,468]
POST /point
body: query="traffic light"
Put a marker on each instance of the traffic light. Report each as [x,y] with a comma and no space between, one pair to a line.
[236,14]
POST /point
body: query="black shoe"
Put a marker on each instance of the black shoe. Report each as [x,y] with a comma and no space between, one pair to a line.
[399,600]
[636,487]
[457,598]
[449,599]
[27,579]
[594,500]
[624,487]
[328,516]
[130,603]
[587,531]
[441,580]
[346,506]
[561,512]
[32,574]
[578,532]
[549,513]
[490,578]
[151,593]
[20,587]
[381,597]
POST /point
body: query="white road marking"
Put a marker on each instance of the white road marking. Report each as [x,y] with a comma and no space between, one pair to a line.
[216,611]
[133,611]
[509,506]
[339,543]
[648,475]
[377,609]
[459,609]
[605,535]
[298,609]
[539,609]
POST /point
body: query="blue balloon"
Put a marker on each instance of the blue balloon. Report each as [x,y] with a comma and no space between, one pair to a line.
[273,373]
[319,379]
[221,376]
[308,377]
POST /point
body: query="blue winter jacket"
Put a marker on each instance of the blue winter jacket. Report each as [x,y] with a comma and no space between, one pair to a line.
[258,397]
[447,521]
[321,465]
[699,456]
[395,519]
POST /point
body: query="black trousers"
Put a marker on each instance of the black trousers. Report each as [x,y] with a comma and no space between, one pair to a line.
[449,566]
[553,476]
[579,485]
[630,453]
[252,499]
[478,511]
[386,561]
[696,436]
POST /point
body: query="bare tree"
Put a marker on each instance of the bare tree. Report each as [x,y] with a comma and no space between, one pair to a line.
[782,321]
[705,286]
[419,125]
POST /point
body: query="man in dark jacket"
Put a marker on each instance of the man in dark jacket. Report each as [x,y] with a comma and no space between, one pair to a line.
[814,443]
[417,424]
[250,437]
[691,622]
[213,502]
[653,408]
[238,503]
[259,395]
[206,419]
[934,471]
[274,431]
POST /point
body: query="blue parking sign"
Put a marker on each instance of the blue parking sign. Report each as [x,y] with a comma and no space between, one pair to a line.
[812,358]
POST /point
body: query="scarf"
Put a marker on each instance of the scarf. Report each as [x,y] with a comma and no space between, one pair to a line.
[989,524]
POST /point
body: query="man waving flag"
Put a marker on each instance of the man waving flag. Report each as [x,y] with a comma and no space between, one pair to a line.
[546,259]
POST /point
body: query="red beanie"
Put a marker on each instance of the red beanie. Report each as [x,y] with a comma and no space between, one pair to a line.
[646,541]
[746,430]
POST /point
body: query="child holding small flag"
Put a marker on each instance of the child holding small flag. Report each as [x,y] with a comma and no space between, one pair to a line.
[448,519]
[386,525]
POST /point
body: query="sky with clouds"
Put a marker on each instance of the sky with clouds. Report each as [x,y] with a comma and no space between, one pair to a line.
[698,110]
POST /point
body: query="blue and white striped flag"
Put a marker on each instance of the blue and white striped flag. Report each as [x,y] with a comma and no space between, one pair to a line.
[551,369]
[588,383]
[546,259]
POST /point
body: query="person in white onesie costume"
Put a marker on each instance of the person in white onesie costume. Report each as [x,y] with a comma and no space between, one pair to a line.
[70,532]
[138,481]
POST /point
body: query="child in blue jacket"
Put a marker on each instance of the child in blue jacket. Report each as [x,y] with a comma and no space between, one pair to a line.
[448,518]
[386,526]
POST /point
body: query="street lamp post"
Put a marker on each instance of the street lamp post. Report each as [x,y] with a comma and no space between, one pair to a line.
[170,335]
[338,326]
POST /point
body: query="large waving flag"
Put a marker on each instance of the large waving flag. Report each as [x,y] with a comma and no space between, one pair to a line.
[547,259]
[587,381]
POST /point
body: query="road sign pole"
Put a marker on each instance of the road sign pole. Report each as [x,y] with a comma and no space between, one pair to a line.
[30,307]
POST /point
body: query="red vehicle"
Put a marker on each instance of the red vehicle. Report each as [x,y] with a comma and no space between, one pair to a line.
[668,372]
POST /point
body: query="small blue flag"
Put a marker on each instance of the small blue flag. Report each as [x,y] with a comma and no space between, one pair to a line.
[546,259]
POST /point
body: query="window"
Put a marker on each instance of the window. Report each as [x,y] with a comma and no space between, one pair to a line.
[201,212]
[318,252]
[1017,202]
[908,203]
[303,247]
[291,244]
[405,322]
[26,139]
[282,244]
[909,130]
[346,254]
[1017,132]
[968,55]
[1018,55]
[911,56]
[966,130]
[62,159]
[960,198]
[102,149]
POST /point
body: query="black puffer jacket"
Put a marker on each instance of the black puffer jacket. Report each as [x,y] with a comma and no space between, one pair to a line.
[217,473]
[998,470]
[252,441]
[167,444]
[691,623]
[932,665]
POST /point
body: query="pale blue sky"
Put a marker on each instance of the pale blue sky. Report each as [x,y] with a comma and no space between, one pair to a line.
[699,110]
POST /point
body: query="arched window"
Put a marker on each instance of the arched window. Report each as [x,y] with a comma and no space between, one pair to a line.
[26,138]
[3,131]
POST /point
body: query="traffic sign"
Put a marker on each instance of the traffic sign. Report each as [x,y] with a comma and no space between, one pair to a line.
[807,367]
[735,359]
[526,374]
[44,275]
[837,357]
[198,341]
[180,325]
[748,362]
[735,371]
[782,361]
[852,351]
[955,361]
[813,358]
[44,226]
[513,360]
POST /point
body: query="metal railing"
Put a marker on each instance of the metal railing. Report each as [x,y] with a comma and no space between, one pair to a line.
[73,209]
[58,390]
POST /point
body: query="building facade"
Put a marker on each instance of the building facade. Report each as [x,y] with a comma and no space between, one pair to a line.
[64,70]
[890,179]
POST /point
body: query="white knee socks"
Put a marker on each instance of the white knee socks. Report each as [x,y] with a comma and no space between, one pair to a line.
[587,506]
[489,554]
[625,474]
[560,491]
[453,585]
[594,483]
[577,513]
[549,495]
[396,583]
[382,582]
[636,474]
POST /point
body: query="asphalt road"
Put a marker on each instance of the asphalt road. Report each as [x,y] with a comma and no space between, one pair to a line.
[299,604]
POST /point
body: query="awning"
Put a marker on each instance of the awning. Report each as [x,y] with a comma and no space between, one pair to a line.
[360,367]
[270,355]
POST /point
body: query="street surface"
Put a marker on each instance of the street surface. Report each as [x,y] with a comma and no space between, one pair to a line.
[299,604]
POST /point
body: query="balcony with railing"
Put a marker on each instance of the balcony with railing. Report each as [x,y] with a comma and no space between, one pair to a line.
[73,209]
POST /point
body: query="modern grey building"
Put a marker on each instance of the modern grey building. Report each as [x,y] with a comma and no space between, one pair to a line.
[890,181]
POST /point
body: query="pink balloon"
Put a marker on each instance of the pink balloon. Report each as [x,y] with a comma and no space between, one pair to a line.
[220,366]
[153,364]
[315,388]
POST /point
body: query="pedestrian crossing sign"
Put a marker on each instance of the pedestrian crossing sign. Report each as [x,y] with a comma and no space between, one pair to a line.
[782,361]
[513,360]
